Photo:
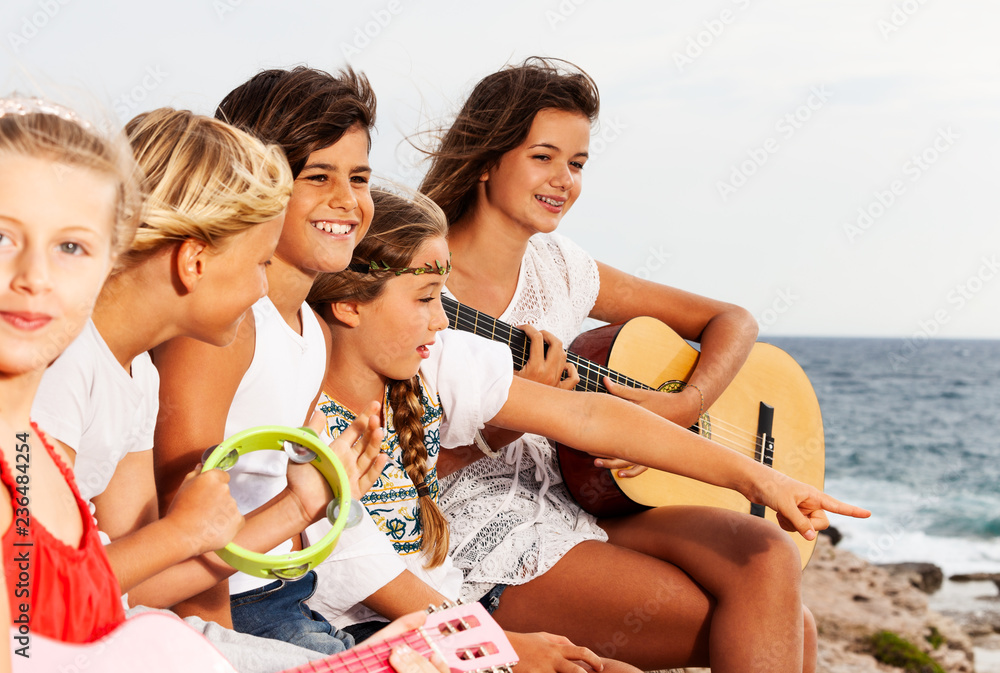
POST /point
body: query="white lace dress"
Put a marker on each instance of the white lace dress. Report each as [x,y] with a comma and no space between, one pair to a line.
[511,517]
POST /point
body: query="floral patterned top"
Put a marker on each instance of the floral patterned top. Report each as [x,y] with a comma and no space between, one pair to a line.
[392,502]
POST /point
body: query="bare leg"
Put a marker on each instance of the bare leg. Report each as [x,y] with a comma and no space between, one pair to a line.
[748,565]
[810,636]
[810,644]
[735,605]
[594,596]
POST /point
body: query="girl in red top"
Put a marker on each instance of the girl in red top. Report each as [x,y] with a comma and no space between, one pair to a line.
[69,202]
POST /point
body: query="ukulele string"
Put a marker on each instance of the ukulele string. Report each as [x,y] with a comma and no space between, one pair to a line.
[370,658]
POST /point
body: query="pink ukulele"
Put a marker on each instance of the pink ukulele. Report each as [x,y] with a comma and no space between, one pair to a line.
[465,636]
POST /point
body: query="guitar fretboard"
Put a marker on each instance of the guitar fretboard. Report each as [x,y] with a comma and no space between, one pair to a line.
[468,319]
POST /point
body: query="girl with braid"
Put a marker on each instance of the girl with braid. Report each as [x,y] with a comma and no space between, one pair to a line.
[437,388]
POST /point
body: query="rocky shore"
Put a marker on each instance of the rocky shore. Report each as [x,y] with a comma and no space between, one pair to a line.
[904,613]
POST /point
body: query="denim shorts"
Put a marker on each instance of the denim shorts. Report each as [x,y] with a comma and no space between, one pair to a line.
[491,601]
[365,630]
[278,610]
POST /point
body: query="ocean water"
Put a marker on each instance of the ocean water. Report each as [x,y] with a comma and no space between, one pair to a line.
[913,434]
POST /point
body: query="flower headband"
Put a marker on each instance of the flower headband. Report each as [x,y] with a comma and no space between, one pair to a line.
[21,106]
[370,267]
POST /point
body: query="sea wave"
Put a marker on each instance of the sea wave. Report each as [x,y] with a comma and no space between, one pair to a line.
[917,441]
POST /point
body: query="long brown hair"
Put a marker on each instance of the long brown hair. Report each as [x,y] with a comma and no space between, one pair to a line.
[400,226]
[495,119]
[302,109]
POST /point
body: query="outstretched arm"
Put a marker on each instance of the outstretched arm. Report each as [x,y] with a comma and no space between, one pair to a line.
[204,517]
[593,422]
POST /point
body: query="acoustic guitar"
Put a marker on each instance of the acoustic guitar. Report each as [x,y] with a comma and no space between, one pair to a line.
[465,636]
[769,412]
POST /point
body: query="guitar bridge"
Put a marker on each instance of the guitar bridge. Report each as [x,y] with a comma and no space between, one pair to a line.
[764,451]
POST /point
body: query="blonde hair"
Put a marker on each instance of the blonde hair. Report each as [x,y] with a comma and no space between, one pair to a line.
[400,226]
[205,180]
[32,127]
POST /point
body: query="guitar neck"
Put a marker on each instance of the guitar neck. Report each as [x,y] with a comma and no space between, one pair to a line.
[468,319]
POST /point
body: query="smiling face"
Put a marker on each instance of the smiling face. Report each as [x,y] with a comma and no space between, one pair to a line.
[331,207]
[536,183]
[55,253]
[402,322]
[235,278]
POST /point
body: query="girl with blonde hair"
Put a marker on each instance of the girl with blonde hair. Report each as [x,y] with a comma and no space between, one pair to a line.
[69,205]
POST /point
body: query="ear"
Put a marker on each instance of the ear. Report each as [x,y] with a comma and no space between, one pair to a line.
[190,262]
[485,176]
[346,312]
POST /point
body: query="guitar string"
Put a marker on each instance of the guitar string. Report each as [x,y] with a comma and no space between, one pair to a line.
[734,438]
[510,334]
[591,374]
[727,434]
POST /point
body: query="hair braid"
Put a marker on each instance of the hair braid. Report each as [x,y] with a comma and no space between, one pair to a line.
[407,415]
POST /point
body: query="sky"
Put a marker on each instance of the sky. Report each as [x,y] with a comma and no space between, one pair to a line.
[830,166]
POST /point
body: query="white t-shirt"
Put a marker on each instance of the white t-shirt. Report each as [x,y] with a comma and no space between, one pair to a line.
[90,403]
[277,389]
[470,377]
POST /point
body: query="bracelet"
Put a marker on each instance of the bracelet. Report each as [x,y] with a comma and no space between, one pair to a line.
[676,386]
[484,447]
[701,407]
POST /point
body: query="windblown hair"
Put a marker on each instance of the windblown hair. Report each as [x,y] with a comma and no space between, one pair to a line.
[302,109]
[205,180]
[399,228]
[65,139]
[496,119]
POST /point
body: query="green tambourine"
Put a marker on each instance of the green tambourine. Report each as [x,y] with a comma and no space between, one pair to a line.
[302,446]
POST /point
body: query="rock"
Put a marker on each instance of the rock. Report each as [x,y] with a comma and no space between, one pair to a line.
[925,576]
[978,577]
[835,535]
[852,599]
